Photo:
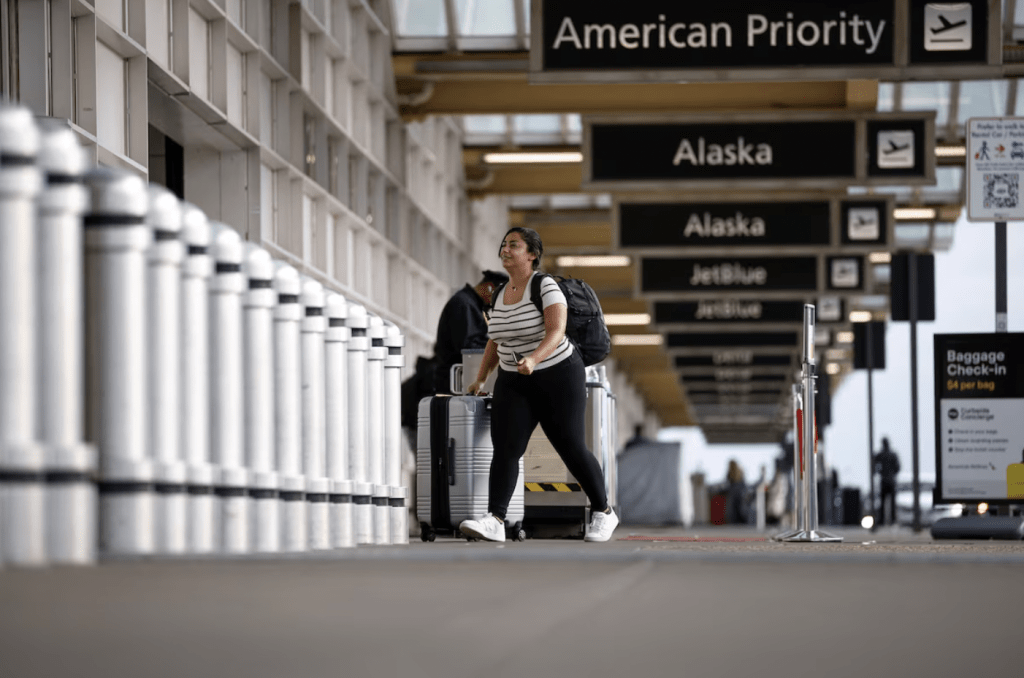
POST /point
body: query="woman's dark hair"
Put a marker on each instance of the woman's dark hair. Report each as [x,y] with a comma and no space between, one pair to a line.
[532,240]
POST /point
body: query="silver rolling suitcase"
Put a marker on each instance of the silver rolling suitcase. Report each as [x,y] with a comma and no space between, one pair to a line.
[453,464]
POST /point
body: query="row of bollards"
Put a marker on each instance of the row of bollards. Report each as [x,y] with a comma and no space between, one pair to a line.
[805,447]
[231,404]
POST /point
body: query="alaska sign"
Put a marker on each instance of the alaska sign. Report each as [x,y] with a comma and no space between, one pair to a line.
[752,150]
[668,40]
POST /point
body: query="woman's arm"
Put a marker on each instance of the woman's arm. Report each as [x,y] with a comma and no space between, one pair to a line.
[555,317]
[487,365]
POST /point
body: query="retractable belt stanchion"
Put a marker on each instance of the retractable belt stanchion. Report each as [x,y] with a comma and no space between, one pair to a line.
[393,364]
[798,485]
[314,409]
[163,313]
[22,513]
[70,463]
[227,423]
[258,333]
[362,489]
[196,270]
[288,407]
[336,430]
[375,431]
[806,441]
[116,242]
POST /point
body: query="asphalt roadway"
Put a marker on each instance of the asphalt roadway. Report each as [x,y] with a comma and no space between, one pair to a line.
[695,603]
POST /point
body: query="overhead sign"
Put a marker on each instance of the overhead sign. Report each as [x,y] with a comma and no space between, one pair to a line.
[778,151]
[731,340]
[657,225]
[995,162]
[667,40]
[979,430]
[686,277]
[734,357]
[727,310]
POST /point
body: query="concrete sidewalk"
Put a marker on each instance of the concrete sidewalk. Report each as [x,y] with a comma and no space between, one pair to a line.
[879,604]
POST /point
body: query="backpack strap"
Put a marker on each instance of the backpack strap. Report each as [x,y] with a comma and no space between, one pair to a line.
[500,289]
[535,292]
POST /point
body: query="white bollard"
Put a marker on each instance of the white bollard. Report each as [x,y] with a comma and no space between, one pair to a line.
[70,463]
[288,407]
[336,431]
[399,516]
[163,376]
[196,270]
[376,356]
[116,242]
[357,322]
[314,410]
[393,364]
[22,513]
[227,423]
[258,320]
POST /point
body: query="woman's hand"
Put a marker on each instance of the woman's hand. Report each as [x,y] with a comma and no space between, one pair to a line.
[526,365]
[476,388]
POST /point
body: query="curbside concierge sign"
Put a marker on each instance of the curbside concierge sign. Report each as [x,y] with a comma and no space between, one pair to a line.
[979,417]
[669,40]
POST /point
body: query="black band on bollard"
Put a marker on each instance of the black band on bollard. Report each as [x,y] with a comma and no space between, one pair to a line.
[292,496]
[317,497]
[360,499]
[358,331]
[200,490]
[263,494]
[196,250]
[227,267]
[170,488]
[287,298]
[100,220]
[394,350]
[222,491]
[380,501]
[16,160]
[336,322]
[396,502]
[162,234]
[15,476]
[378,341]
[123,487]
[256,284]
[341,498]
[314,311]
[59,477]
[58,179]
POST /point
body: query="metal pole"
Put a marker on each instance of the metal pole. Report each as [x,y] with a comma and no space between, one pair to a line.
[912,293]
[871,423]
[1001,315]
[798,490]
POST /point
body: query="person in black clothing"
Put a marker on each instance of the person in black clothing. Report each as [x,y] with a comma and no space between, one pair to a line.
[887,466]
[463,325]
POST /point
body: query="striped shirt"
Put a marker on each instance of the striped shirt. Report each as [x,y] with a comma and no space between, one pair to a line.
[520,327]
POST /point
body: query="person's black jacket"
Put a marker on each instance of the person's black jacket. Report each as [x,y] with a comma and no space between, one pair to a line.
[887,466]
[462,325]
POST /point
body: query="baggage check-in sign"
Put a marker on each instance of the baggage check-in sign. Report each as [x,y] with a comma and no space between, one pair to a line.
[995,163]
[751,40]
[757,151]
[979,427]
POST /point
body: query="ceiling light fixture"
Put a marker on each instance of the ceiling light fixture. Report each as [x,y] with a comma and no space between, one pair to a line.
[950,151]
[880,257]
[594,261]
[532,158]
[914,213]
[860,316]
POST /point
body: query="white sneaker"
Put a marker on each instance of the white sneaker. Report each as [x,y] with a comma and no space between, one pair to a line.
[488,527]
[601,526]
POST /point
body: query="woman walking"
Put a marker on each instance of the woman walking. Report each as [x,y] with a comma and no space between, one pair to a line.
[540,380]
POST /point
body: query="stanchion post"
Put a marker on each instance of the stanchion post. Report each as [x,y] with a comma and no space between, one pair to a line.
[336,436]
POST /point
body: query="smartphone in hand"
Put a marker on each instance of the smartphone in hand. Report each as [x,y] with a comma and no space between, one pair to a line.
[517,356]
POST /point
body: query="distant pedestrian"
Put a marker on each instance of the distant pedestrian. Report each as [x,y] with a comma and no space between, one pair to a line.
[736,494]
[887,466]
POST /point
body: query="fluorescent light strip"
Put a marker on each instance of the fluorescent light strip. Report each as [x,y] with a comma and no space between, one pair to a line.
[880,257]
[637,340]
[627,318]
[860,316]
[844,337]
[528,158]
[594,261]
[915,213]
[950,151]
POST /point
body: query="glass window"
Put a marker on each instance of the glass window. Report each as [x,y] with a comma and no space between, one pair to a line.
[927,96]
[982,98]
[885,93]
[111,97]
[538,124]
[486,17]
[484,124]
[947,180]
[421,17]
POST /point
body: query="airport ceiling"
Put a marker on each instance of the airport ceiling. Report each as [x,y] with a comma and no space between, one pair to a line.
[471,59]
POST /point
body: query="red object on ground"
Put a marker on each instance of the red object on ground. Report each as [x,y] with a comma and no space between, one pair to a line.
[717,516]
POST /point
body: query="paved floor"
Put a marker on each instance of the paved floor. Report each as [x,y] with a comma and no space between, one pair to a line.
[879,604]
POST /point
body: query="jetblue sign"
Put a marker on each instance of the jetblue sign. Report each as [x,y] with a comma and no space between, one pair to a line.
[778,151]
[576,40]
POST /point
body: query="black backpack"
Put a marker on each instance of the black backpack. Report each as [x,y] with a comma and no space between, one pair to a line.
[584,324]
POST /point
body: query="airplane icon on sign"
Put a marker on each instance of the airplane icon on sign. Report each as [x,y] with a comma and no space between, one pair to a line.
[895,148]
[947,25]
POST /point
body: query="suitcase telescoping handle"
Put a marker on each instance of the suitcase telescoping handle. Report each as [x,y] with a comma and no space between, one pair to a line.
[451,461]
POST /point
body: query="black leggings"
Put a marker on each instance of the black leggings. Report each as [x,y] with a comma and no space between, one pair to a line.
[556,398]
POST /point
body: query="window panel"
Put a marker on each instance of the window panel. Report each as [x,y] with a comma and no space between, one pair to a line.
[486,17]
[421,17]
[885,96]
[110,99]
[199,54]
[927,96]
[982,98]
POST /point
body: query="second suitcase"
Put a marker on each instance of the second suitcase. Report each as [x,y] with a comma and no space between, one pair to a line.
[453,464]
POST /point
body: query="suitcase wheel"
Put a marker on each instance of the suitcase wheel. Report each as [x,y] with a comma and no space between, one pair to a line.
[427,532]
[516,532]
